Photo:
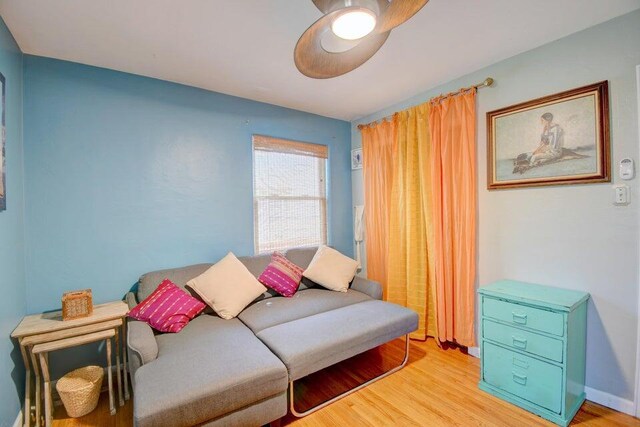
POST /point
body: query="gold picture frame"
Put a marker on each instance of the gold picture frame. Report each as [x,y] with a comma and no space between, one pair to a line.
[554,140]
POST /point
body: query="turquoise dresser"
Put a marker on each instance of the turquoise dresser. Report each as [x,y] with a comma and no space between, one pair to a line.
[532,347]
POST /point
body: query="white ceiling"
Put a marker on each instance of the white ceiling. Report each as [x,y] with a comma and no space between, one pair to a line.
[245,47]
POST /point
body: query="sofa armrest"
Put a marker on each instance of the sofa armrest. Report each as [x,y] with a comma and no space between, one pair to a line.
[141,341]
[131,300]
[366,286]
[142,347]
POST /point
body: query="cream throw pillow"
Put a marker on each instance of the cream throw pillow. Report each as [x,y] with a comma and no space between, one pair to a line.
[330,269]
[227,287]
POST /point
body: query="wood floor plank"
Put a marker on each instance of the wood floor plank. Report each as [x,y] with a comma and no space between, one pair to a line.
[437,388]
[99,417]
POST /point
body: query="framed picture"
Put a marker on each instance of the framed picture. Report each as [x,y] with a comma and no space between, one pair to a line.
[3,166]
[558,139]
[356,159]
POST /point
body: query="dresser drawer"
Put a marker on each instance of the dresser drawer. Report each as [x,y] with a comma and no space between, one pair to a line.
[521,339]
[528,378]
[523,315]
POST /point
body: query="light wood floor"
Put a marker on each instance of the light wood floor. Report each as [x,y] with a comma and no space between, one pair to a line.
[436,388]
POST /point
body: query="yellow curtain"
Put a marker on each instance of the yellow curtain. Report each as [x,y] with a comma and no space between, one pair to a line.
[410,264]
[378,148]
[453,183]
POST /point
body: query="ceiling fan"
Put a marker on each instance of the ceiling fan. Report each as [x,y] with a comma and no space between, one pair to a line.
[349,33]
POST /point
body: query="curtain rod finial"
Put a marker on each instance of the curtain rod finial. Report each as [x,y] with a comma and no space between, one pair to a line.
[487,82]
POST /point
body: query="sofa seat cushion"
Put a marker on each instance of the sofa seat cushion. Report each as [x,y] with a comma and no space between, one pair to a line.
[275,311]
[212,367]
[312,343]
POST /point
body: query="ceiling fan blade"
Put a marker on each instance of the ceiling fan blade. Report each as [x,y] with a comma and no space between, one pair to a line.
[314,61]
[325,6]
[328,6]
[399,11]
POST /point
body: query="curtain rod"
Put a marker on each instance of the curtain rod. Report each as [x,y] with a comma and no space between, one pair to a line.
[486,83]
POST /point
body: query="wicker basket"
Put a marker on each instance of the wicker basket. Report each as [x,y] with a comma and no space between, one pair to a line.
[76,304]
[80,390]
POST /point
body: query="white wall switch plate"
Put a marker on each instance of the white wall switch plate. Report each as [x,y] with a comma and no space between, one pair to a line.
[621,195]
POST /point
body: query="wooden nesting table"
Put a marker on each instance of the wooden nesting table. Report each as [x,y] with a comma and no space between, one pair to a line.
[48,332]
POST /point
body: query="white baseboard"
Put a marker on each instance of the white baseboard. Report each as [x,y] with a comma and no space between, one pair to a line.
[474,351]
[610,401]
[18,421]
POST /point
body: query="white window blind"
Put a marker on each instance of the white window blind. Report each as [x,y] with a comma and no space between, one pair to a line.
[289,194]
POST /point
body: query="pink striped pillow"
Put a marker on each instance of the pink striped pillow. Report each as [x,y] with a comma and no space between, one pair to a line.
[168,308]
[281,275]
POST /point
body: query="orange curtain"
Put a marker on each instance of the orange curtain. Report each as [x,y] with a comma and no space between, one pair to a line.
[378,150]
[420,213]
[453,177]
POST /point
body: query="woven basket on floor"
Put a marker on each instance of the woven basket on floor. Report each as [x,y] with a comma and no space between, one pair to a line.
[79,390]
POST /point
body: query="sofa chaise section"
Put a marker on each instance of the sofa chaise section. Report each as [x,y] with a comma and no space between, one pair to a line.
[213,369]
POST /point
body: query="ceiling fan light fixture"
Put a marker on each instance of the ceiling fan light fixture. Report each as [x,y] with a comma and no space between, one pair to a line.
[354,24]
[348,34]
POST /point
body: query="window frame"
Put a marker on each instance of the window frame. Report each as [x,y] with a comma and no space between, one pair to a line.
[287,146]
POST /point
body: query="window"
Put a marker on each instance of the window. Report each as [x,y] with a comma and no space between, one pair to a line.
[289,194]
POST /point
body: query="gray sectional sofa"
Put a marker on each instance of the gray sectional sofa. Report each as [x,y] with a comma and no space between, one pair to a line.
[238,372]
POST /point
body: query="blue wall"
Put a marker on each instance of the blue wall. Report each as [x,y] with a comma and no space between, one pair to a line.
[12,271]
[127,174]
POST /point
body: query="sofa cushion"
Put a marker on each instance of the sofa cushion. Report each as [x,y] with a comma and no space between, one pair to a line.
[281,275]
[315,342]
[227,286]
[267,313]
[256,263]
[302,257]
[212,367]
[168,308]
[331,269]
[180,276]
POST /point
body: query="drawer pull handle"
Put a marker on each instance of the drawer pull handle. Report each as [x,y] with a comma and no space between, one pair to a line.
[520,379]
[520,363]
[519,318]
[519,342]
